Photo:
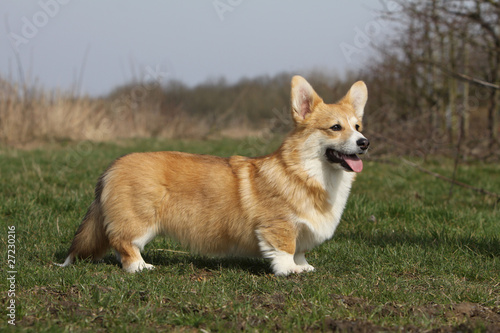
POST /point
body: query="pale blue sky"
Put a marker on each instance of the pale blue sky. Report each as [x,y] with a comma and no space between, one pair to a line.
[190,41]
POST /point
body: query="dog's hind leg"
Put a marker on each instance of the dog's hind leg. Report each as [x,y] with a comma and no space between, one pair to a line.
[129,252]
[131,259]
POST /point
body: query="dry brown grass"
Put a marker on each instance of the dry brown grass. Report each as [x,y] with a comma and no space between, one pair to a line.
[250,108]
[36,115]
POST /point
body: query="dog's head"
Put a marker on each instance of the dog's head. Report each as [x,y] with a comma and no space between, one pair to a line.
[334,130]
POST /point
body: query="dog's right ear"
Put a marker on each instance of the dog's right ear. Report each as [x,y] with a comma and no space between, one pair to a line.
[304,99]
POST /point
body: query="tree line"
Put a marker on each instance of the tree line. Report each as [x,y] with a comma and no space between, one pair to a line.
[443,62]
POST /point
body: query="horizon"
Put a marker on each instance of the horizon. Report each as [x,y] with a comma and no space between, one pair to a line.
[51,43]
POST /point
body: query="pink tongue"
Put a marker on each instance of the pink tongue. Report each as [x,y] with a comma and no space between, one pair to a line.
[354,162]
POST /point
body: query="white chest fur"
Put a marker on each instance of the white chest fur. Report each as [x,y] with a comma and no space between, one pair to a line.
[315,226]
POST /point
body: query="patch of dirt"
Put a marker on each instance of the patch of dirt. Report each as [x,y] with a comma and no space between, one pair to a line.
[330,324]
[462,317]
[66,302]
[201,275]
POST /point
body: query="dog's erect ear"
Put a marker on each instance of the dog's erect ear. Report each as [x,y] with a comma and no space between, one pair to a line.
[304,98]
[357,96]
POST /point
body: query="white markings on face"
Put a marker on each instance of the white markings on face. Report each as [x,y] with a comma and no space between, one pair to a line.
[349,146]
[352,123]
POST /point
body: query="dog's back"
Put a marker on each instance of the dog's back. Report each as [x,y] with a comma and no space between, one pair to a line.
[277,206]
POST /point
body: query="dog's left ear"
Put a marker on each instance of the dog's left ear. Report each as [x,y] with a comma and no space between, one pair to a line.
[357,97]
[304,99]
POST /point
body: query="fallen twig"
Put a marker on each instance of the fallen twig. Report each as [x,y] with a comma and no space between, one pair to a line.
[173,251]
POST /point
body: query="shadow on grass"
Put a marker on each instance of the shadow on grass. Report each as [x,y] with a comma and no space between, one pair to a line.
[252,265]
[157,258]
[486,246]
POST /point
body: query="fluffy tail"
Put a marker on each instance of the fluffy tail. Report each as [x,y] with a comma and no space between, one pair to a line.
[90,239]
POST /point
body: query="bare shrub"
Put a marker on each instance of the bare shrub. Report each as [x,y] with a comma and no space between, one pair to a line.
[55,116]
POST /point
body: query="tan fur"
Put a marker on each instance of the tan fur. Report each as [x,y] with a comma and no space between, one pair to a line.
[271,206]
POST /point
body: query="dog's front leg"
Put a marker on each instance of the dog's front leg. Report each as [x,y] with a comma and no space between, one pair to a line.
[300,259]
[277,242]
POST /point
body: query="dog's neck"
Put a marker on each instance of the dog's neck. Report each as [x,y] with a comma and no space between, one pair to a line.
[327,183]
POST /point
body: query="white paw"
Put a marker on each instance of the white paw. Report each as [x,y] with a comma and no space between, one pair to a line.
[286,271]
[283,265]
[292,269]
[296,269]
[138,266]
[149,266]
[307,268]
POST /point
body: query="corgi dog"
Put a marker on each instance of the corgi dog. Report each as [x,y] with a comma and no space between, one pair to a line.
[277,206]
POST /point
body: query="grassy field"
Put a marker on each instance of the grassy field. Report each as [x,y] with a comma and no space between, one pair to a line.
[406,255]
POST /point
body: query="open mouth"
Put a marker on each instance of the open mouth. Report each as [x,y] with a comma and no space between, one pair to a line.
[348,162]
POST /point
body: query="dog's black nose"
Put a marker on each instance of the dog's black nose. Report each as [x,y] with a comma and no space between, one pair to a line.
[363,143]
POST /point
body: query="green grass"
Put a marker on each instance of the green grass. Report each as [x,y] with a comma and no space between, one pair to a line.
[405,256]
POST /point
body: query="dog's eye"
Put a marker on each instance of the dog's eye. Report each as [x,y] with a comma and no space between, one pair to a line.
[336,127]
[357,127]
